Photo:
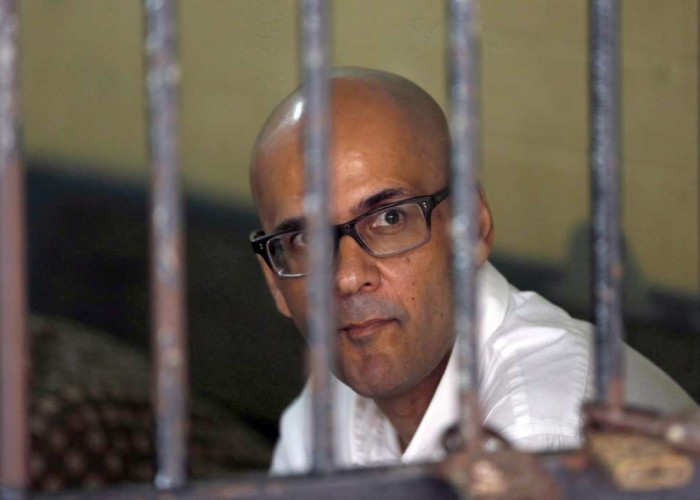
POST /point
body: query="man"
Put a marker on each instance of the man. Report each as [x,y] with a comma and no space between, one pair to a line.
[396,372]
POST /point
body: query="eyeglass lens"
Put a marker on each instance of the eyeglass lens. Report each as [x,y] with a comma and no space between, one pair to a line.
[385,232]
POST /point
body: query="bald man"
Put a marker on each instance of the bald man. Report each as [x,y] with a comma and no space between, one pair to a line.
[396,374]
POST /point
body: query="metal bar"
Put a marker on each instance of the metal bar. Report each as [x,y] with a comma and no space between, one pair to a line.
[605,203]
[167,248]
[14,344]
[321,326]
[682,431]
[464,122]
[574,473]
[376,482]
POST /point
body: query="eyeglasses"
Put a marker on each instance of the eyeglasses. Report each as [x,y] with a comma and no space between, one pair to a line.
[385,231]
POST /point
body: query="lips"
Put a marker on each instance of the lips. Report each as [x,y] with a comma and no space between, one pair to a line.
[363,317]
[364,330]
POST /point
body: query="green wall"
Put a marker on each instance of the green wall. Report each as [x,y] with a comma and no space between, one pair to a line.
[83,104]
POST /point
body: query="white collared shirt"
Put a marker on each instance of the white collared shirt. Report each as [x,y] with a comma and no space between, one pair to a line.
[536,370]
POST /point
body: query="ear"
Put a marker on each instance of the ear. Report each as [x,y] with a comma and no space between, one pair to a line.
[485,228]
[273,285]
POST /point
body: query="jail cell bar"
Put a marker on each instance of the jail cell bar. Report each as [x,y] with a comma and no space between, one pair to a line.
[168,319]
[464,161]
[605,203]
[14,448]
[319,292]
[170,394]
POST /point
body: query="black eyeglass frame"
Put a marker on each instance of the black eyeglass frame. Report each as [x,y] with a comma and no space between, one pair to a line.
[259,240]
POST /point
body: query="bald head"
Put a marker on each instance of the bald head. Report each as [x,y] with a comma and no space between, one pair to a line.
[369,108]
[388,157]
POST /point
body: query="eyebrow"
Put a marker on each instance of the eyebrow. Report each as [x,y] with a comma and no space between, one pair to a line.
[378,198]
[372,201]
[290,224]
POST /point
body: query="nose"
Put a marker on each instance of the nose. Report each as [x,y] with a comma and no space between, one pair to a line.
[355,269]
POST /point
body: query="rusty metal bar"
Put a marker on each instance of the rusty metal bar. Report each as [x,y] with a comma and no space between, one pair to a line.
[14,344]
[314,57]
[167,248]
[376,482]
[574,474]
[605,203]
[464,123]
[682,431]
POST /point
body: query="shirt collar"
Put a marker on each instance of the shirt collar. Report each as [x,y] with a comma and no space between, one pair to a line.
[492,301]
[443,411]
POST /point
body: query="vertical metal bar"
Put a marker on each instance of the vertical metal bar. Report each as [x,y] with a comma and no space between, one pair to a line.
[464,124]
[14,345]
[605,191]
[319,293]
[167,252]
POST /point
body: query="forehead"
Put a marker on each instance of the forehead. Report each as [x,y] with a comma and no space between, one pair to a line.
[375,146]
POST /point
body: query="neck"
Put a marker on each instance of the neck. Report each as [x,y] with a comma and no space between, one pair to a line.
[406,410]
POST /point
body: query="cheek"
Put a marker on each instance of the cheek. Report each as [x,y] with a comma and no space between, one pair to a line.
[294,292]
[424,284]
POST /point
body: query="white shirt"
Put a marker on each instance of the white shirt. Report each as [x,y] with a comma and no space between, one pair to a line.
[536,370]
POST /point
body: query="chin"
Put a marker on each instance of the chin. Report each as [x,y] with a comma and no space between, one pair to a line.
[376,391]
[376,383]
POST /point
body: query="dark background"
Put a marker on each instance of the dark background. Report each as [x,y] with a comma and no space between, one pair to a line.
[88,242]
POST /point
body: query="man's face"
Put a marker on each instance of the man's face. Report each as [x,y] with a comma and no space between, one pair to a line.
[394,313]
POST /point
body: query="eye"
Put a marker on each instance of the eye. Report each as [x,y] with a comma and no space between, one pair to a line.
[297,241]
[390,217]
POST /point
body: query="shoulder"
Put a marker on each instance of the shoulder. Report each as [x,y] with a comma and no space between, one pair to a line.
[292,454]
[646,385]
[292,451]
[536,368]
[537,336]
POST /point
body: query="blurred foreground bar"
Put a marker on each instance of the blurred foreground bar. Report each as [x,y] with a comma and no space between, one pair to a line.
[464,126]
[313,16]
[167,249]
[14,435]
[605,202]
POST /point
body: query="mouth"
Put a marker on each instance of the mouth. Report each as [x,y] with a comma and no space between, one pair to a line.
[364,331]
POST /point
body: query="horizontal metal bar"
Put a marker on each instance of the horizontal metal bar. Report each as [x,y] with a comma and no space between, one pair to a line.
[389,484]
[14,356]
[167,247]
[319,285]
[576,477]
[584,482]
